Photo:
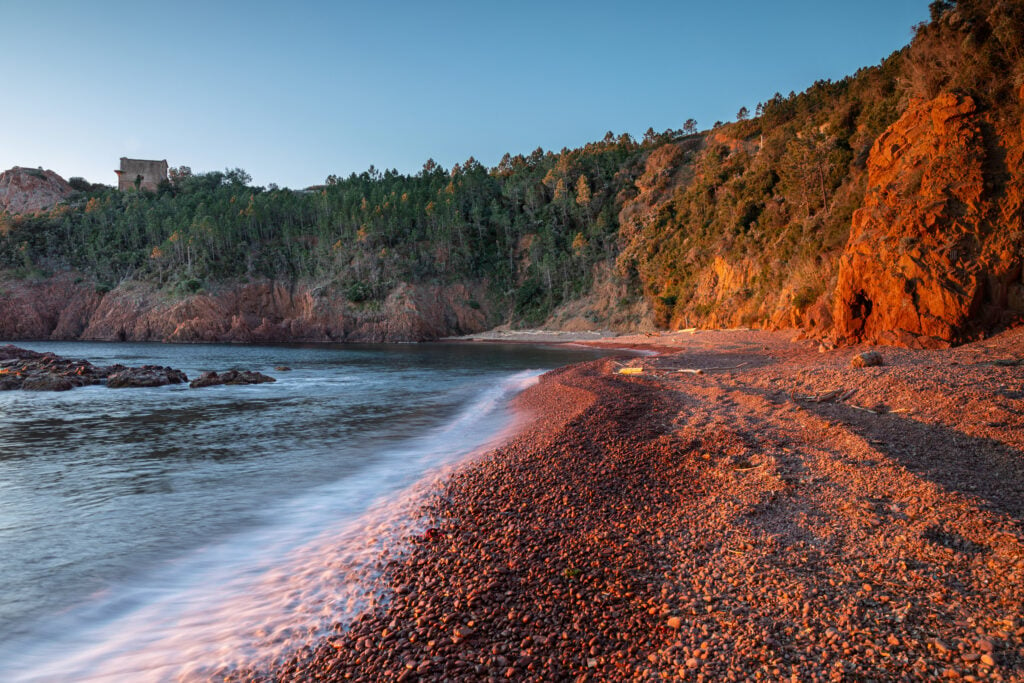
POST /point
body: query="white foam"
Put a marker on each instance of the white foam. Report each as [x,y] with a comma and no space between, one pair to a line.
[255,597]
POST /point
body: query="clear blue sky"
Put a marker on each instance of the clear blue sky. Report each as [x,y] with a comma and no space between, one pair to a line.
[293,92]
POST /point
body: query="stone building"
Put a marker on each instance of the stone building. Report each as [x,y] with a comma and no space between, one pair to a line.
[143,174]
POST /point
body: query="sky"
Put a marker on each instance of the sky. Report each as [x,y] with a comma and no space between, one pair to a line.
[293,92]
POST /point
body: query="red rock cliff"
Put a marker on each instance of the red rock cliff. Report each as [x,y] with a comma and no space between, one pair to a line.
[934,255]
[61,308]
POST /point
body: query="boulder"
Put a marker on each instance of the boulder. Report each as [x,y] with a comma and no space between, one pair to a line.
[867,359]
[46,382]
[145,376]
[211,378]
[34,371]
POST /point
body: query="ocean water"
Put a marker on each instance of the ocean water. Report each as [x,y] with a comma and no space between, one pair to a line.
[167,533]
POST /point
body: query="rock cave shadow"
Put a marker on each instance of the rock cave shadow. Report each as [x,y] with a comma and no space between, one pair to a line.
[975,467]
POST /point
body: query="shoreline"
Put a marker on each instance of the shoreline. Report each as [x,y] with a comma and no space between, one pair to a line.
[779,514]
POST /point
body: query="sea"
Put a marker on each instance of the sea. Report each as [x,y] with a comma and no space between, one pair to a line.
[173,534]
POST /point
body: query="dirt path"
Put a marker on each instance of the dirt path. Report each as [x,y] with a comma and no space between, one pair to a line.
[777,515]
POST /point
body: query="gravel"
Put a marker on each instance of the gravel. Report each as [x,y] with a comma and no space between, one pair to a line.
[778,516]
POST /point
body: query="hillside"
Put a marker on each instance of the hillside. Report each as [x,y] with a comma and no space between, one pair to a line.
[885,208]
[920,156]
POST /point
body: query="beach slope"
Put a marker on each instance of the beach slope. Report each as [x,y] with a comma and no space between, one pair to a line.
[741,507]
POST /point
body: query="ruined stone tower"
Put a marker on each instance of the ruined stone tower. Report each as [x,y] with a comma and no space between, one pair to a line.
[142,174]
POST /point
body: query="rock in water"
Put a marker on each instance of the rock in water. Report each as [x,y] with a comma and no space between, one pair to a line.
[867,359]
[146,376]
[211,378]
[46,382]
[34,371]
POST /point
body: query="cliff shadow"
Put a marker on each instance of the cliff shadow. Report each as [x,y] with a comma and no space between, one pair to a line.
[978,467]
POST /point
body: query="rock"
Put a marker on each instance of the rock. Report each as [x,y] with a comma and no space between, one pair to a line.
[46,383]
[282,368]
[211,378]
[675,623]
[867,359]
[34,371]
[146,376]
[929,256]
[68,306]
[28,190]
[10,352]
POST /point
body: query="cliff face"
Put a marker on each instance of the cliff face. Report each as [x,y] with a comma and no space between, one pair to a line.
[934,254]
[60,308]
[27,190]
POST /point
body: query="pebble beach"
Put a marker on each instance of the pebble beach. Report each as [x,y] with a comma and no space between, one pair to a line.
[739,507]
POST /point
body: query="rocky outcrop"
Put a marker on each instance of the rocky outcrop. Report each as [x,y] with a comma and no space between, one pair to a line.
[233,377]
[934,255]
[69,307]
[58,308]
[120,377]
[28,190]
[34,371]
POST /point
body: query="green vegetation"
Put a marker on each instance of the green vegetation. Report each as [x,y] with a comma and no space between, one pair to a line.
[532,227]
[772,195]
[734,225]
[772,198]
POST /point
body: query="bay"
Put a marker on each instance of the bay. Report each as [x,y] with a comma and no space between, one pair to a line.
[160,533]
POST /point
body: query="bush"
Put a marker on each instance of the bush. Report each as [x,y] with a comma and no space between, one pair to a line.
[358,292]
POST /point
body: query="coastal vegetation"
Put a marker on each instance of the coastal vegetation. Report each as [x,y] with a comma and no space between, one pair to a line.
[532,227]
[742,224]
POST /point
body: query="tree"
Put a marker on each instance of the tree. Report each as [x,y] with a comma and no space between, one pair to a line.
[690,127]
[237,176]
[811,168]
[560,190]
[80,184]
[176,175]
[938,8]
[743,114]
[583,191]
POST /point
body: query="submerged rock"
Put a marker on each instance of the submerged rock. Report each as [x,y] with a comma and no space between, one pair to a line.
[211,378]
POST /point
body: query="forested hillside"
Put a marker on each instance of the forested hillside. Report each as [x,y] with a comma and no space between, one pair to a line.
[532,228]
[883,207]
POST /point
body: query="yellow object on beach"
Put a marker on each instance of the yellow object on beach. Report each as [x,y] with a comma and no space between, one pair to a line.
[630,371]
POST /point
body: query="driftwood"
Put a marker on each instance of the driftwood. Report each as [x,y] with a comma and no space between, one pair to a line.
[701,371]
[836,396]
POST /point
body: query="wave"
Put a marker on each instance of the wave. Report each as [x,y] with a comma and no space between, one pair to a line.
[255,597]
